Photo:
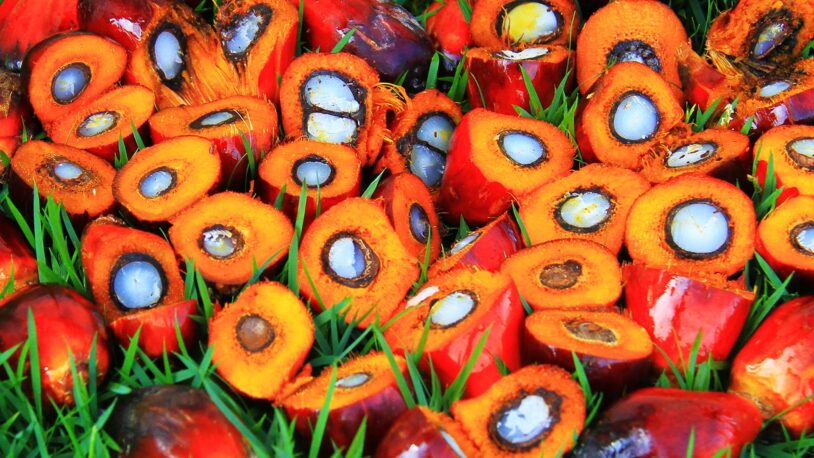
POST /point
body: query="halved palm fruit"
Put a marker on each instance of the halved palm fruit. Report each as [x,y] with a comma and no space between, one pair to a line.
[536,411]
[179,58]
[421,136]
[566,274]
[591,203]
[630,31]
[17,262]
[70,70]
[136,284]
[519,24]
[692,224]
[761,36]
[790,150]
[80,181]
[162,180]
[261,340]
[482,249]
[409,206]
[496,79]
[495,158]
[352,252]
[70,337]
[785,238]
[259,38]
[332,173]
[458,307]
[329,98]
[613,349]
[230,235]
[433,434]
[719,152]
[364,387]
[97,126]
[24,23]
[226,122]
[630,111]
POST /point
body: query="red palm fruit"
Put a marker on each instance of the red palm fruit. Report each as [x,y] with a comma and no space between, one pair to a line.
[135,282]
[676,309]
[775,369]
[459,306]
[67,327]
[259,37]
[387,36]
[70,70]
[24,23]
[663,421]
[125,21]
[16,257]
[495,158]
[365,386]
[174,421]
[791,151]
[482,249]
[449,30]
[496,80]
[423,433]
[784,238]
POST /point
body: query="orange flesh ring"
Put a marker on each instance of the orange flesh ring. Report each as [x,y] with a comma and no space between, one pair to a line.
[409,206]
[793,170]
[592,204]
[784,236]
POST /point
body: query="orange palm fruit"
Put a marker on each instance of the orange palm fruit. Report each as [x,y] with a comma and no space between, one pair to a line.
[179,58]
[495,158]
[591,203]
[519,24]
[536,411]
[97,126]
[352,251]
[80,181]
[259,37]
[784,238]
[791,152]
[226,122]
[421,136]
[330,98]
[641,31]
[162,180]
[719,152]
[332,173]
[458,307]
[365,386]
[409,206]
[631,109]
[482,249]
[692,224]
[261,340]
[229,236]
[566,274]
[70,70]
[613,349]
[136,284]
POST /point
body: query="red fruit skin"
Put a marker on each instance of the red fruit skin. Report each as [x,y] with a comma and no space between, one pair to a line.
[158,327]
[122,20]
[387,35]
[16,256]
[381,408]
[449,30]
[702,82]
[24,23]
[776,366]
[496,242]
[606,374]
[414,435]
[173,421]
[66,324]
[795,109]
[658,422]
[502,85]
[788,191]
[504,321]
[674,309]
